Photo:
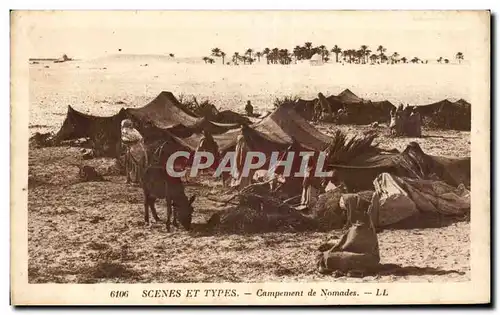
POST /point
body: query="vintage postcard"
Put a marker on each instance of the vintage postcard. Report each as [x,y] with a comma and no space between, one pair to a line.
[250,157]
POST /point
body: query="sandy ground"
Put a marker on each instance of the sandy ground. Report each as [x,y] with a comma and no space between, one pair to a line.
[94,231]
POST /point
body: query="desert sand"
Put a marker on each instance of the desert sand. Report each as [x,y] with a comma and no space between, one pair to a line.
[94,231]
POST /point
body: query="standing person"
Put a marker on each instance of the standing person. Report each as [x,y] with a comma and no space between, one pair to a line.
[416,123]
[208,144]
[310,184]
[317,111]
[249,109]
[241,151]
[392,124]
[131,137]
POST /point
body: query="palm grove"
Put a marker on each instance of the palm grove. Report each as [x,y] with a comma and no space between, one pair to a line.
[362,55]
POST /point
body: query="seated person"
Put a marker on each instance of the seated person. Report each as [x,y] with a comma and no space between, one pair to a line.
[357,250]
[249,109]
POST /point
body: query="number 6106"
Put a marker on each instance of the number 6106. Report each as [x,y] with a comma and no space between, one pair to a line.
[118,294]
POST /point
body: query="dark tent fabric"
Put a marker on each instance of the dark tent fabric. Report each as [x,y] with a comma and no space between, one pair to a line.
[165,112]
[161,119]
[383,106]
[356,110]
[366,113]
[348,97]
[280,129]
[225,141]
[359,111]
[412,163]
[446,114]
[230,117]
[284,125]
[462,102]
[211,113]
[335,103]
[303,107]
[104,132]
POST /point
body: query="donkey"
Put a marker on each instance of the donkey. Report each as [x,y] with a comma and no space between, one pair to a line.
[158,185]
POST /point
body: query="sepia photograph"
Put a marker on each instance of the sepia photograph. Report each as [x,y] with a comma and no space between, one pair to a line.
[258,157]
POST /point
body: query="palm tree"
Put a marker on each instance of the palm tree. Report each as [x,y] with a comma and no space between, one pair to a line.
[351,54]
[222,54]
[321,49]
[404,59]
[367,54]
[345,54]
[373,58]
[308,50]
[205,59]
[460,57]
[297,52]
[211,60]
[440,60]
[360,56]
[324,53]
[249,52]
[381,49]
[363,51]
[283,56]
[258,54]
[275,55]
[216,52]
[394,57]
[336,50]
[266,52]
[415,60]
[236,57]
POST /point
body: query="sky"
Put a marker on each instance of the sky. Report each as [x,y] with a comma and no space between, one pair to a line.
[90,34]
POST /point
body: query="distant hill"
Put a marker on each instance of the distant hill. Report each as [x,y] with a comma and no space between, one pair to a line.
[149,58]
[43,59]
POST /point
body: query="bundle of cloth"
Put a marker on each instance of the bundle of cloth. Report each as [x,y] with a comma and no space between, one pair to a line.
[397,198]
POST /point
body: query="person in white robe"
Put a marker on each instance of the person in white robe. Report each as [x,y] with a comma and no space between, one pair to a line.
[131,137]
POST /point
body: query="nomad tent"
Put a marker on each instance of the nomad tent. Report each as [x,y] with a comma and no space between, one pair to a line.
[355,110]
[162,118]
[446,114]
[359,174]
[165,112]
[279,129]
[103,132]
